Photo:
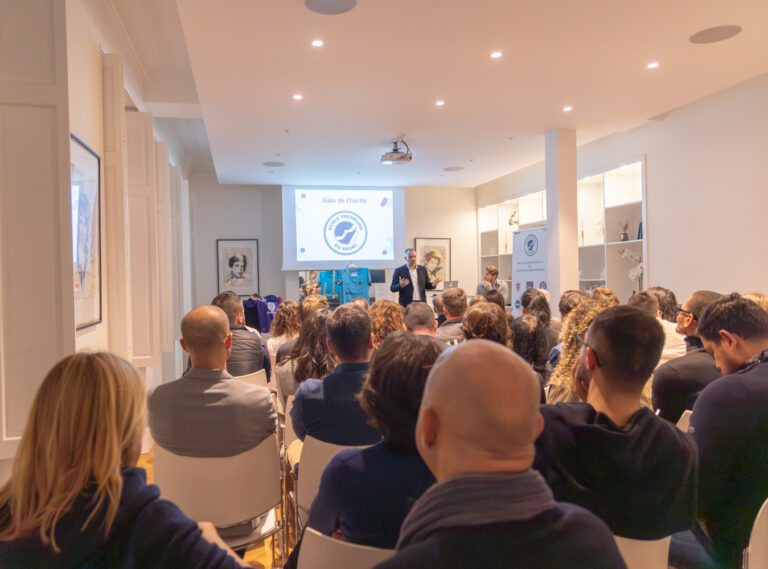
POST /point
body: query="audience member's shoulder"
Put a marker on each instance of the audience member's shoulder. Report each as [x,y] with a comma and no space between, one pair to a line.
[309,387]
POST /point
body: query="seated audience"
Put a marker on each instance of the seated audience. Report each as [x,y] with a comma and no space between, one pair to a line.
[605,296]
[328,409]
[555,323]
[569,300]
[730,425]
[667,302]
[365,494]
[437,304]
[530,343]
[491,282]
[76,498]
[454,307]
[386,317]
[535,302]
[363,303]
[497,298]
[677,383]
[307,307]
[208,413]
[285,326]
[476,431]
[420,320]
[634,470]
[674,344]
[576,324]
[249,352]
[310,357]
[486,320]
[477,299]
[758,297]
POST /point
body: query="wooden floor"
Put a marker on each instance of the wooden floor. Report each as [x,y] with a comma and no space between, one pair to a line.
[259,555]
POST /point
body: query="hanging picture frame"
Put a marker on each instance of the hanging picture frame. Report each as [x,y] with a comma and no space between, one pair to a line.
[435,254]
[237,262]
[85,194]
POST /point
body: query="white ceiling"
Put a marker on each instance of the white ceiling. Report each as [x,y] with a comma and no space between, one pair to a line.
[385,63]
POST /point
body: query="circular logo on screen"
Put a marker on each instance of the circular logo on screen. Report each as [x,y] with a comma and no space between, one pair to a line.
[531,245]
[345,233]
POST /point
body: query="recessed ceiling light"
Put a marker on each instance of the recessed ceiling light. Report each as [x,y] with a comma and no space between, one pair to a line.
[716,34]
[317,43]
[439,103]
[653,65]
[274,164]
[453,168]
[567,109]
[298,97]
[495,54]
[286,130]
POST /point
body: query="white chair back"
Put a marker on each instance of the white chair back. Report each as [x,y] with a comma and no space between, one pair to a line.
[224,491]
[289,435]
[320,551]
[756,553]
[315,456]
[644,554]
[684,421]
[256,378]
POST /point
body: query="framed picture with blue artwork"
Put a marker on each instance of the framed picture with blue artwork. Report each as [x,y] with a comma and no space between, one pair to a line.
[85,192]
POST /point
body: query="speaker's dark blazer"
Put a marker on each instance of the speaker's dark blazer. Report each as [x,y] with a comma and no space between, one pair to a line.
[406,293]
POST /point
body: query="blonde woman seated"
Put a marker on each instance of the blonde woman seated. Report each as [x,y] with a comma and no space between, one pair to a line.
[285,327]
[76,498]
[386,317]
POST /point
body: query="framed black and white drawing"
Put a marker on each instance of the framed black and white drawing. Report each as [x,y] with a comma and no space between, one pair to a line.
[435,254]
[85,188]
[237,262]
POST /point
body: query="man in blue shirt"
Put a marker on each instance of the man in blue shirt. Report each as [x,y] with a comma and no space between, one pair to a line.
[328,409]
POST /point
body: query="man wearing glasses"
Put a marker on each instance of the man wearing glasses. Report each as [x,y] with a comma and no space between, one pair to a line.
[677,383]
[606,453]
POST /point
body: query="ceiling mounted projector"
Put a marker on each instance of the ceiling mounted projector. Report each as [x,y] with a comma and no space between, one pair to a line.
[397,156]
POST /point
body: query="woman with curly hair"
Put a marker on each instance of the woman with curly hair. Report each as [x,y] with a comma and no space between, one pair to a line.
[576,323]
[486,320]
[310,356]
[386,317]
[76,498]
[285,327]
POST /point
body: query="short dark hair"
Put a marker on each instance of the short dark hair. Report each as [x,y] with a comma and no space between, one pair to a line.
[535,302]
[529,340]
[700,300]
[349,331]
[667,302]
[496,297]
[486,320]
[391,395]
[454,302]
[644,301]
[419,315]
[569,300]
[735,314]
[628,343]
[230,303]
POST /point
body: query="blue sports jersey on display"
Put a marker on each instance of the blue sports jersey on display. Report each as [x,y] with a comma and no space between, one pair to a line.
[354,283]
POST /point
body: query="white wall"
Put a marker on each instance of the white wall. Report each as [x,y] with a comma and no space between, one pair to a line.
[86,122]
[706,189]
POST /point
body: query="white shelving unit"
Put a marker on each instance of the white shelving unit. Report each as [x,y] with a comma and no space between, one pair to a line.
[608,202]
[497,224]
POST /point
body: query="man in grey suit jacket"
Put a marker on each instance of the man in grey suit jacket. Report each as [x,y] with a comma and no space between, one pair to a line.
[208,413]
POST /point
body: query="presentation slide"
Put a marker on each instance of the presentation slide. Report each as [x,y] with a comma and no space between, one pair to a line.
[331,227]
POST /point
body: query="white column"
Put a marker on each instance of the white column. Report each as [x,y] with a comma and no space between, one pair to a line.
[165,258]
[117,251]
[37,323]
[563,249]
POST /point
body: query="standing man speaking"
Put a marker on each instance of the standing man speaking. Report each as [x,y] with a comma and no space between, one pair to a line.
[411,280]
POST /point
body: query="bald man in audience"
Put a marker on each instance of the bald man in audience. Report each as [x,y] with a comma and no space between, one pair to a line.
[208,413]
[634,470]
[476,430]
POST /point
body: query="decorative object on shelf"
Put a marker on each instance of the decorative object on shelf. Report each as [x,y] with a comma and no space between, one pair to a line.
[85,192]
[237,265]
[640,231]
[624,235]
[513,218]
[435,254]
[635,273]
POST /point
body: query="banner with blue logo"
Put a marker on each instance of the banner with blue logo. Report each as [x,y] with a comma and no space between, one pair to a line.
[529,264]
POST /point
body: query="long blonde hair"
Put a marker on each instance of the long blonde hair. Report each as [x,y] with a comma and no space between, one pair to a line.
[86,423]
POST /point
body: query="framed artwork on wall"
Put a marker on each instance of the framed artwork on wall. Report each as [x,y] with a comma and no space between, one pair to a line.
[435,254]
[85,194]
[237,263]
